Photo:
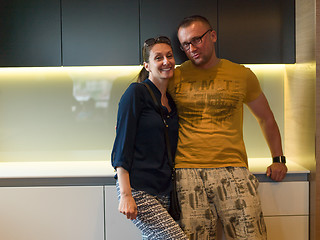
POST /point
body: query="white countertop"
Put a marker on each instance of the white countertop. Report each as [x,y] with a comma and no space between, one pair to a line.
[259,166]
[60,169]
[56,169]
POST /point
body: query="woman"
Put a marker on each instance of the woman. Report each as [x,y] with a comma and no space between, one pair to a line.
[139,153]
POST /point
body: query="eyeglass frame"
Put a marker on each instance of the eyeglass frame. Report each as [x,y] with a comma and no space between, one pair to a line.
[194,39]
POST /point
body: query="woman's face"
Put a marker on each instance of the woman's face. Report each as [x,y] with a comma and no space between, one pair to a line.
[161,62]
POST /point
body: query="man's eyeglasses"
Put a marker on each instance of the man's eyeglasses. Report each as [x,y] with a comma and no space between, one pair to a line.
[194,41]
[162,39]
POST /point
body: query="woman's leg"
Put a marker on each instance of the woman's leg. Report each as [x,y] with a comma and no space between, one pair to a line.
[153,219]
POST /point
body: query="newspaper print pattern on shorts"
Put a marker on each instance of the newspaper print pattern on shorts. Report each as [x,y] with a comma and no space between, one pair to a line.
[229,194]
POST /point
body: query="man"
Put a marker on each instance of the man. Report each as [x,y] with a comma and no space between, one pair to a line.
[212,176]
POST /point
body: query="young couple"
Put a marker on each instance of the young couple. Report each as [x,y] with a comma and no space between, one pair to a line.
[204,116]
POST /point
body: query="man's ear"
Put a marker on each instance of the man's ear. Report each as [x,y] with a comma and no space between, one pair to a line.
[214,35]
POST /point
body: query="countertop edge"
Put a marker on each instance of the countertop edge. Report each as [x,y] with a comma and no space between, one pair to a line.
[109,180]
[101,173]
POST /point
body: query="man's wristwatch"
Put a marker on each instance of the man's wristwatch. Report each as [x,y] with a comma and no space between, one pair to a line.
[279,159]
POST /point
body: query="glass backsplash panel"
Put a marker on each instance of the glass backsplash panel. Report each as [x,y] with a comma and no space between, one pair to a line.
[69,113]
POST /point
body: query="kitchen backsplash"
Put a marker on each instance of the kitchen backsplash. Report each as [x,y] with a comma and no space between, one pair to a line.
[69,113]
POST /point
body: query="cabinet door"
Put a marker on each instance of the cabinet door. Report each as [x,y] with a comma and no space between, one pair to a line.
[254,31]
[30,33]
[100,32]
[287,198]
[162,18]
[51,213]
[287,227]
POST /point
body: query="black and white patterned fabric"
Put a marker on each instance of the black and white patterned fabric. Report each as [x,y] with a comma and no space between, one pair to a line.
[153,219]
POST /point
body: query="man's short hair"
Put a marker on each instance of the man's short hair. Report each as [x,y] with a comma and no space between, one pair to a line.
[187,21]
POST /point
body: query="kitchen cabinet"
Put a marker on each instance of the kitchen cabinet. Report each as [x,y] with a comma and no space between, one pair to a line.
[162,18]
[285,207]
[30,33]
[257,31]
[51,213]
[100,32]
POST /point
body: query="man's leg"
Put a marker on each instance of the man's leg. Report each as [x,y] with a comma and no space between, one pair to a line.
[197,219]
[238,204]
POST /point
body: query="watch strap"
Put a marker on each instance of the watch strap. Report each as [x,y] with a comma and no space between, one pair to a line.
[279,159]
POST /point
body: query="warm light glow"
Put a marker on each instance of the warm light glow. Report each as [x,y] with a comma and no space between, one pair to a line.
[54,70]
[266,66]
[115,68]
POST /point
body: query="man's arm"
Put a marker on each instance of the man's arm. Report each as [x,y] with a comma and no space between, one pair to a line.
[261,110]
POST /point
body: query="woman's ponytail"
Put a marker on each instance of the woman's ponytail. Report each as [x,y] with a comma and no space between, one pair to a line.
[143,75]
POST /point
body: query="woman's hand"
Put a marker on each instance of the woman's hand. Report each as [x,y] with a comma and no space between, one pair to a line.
[127,204]
[128,207]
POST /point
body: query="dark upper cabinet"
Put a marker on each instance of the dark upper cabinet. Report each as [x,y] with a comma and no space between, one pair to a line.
[100,32]
[163,17]
[30,33]
[256,31]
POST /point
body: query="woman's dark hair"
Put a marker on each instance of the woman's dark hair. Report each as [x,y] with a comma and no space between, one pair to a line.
[147,46]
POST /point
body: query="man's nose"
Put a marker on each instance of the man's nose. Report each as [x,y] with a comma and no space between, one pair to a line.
[192,47]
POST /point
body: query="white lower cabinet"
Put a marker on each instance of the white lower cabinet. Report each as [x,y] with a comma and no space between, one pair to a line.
[286,209]
[91,213]
[51,213]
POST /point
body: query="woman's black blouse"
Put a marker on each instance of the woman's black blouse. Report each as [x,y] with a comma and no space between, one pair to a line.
[140,145]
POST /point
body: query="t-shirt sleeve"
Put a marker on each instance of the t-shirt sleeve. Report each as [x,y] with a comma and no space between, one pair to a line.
[127,119]
[253,87]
